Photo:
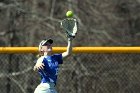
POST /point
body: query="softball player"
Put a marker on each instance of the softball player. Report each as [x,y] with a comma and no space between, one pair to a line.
[48,65]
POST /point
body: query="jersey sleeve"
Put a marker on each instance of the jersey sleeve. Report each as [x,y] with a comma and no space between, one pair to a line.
[59,58]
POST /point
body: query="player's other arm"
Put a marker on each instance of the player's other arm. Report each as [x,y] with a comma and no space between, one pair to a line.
[69,49]
[39,64]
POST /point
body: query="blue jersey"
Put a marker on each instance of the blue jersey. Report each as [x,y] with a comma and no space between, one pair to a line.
[50,71]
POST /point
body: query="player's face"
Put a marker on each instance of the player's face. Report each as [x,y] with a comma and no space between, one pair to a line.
[47,47]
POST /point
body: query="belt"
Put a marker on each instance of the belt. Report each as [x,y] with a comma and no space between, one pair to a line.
[47,85]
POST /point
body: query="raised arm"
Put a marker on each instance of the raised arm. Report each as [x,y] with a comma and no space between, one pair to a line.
[69,48]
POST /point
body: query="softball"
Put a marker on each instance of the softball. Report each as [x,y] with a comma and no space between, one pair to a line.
[69,14]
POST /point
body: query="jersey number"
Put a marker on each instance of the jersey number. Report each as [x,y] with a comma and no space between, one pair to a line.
[56,73]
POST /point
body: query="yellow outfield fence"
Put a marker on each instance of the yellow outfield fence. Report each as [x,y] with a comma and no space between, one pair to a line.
[88,70]
[75,49]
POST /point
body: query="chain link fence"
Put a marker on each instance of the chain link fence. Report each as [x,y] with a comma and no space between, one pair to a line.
[80,73]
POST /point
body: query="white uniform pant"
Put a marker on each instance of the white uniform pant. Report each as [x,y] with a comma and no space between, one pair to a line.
[45,88]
